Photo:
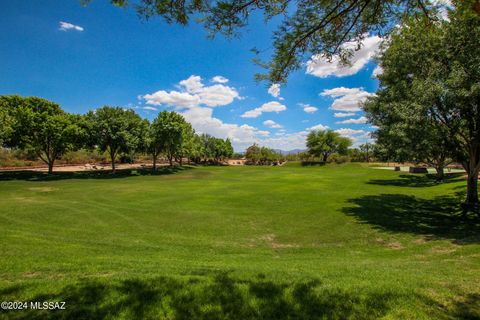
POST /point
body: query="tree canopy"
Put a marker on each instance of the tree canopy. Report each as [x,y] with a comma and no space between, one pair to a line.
[323,143]
[115,130]
[262,155]
[169,130]
[430,92]
[39,125]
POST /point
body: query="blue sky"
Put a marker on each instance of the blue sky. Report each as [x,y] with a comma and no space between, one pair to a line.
[87,57]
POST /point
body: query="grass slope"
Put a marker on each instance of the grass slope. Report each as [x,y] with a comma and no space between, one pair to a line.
[332,242]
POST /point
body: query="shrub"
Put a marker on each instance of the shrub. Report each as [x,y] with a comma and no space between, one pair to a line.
[337,158]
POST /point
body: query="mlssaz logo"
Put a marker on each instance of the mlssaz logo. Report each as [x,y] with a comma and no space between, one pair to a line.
[47,305]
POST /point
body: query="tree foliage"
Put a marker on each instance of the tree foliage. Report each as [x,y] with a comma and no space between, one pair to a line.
[41,126]
[429,99]
[262,155]
[115,130]
[323,143]
[170,130]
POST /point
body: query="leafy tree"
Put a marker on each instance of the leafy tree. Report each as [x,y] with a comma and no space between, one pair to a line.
[366,148]
[253,153]
[431,85]
[221,149]
[41,126]
[228,149]
[322,143]
[153,144]
[6,122]
[262,155]
[195,149]
[187,145]
[208,146]
[169,129]
[307,27]
[115,130]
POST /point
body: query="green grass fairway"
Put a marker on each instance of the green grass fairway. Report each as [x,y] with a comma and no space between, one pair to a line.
[292,242]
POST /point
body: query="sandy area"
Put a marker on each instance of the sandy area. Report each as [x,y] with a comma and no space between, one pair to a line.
[85,167]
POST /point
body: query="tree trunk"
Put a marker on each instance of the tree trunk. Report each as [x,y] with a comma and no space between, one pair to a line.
[472,190]
[472,167]
[50,166]
[112,157]
[170,160]
[440,173]
[154,162]
[325,157]
[181,161]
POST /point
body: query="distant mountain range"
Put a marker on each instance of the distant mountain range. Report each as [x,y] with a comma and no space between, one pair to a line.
[287,152]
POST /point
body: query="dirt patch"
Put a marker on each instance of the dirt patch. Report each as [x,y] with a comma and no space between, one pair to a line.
[443,250]
[42,189]
[420,241]
[31,274]
[395,245]
[270,239]
[25,199]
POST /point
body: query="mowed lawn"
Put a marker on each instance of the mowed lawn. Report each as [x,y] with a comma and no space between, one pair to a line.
[292,242]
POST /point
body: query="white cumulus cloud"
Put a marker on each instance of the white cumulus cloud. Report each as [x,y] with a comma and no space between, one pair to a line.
[308,108]
[377,71]
[272,106]
[357,136]
[347,99]
[193,93]
[219,79]
[354,121]
[343,114]
[149,108]
[320,127]
[272,124]
[320,66]
[274,90]
[65,26]
[347,132]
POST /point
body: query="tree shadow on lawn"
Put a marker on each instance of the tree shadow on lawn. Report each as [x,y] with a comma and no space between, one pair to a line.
[100,174]
[219,297]
[411,180]
[437,218]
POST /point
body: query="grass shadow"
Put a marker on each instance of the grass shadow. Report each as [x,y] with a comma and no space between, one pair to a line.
[468,307]
[100,174]
[312,163]
[217,297]
[437,218]
[417,181]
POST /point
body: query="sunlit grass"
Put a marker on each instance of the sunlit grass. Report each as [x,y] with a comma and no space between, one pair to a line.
[337,241]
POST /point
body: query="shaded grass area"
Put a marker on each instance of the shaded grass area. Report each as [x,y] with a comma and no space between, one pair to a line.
[437,218]
[98,174]
[225,297]
[417,181]
[292,242]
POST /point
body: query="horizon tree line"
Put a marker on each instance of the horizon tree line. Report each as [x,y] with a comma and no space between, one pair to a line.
[44,128]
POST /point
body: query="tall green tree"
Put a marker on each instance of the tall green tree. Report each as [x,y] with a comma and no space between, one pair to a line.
[115,130]
[187,145]
[153,144]
[169,128]
[41,126]
[208,146]
[323,143]
[432,78]
[306,27]
[262,155]
[6,123]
